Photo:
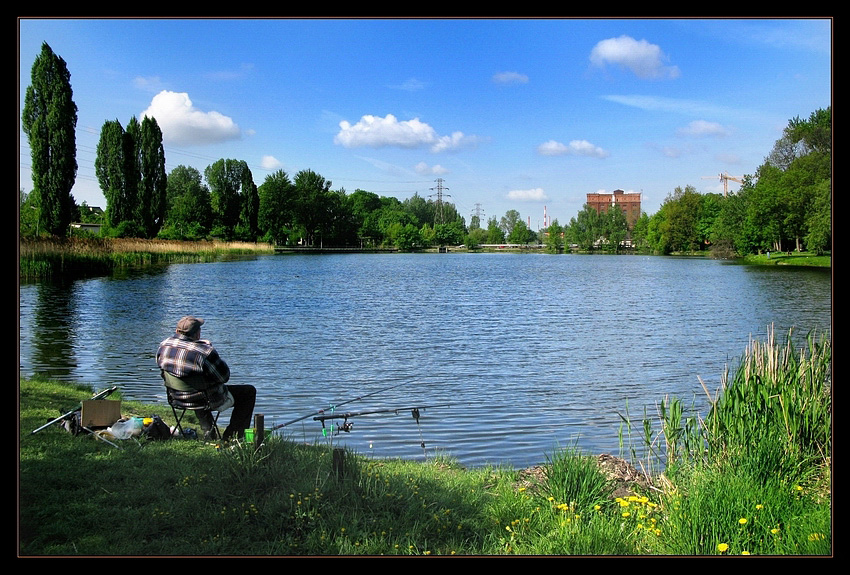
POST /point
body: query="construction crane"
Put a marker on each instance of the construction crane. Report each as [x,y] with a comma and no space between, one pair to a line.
[724,177]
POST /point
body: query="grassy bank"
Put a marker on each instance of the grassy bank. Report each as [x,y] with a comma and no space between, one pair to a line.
[803,259]
[46,257]
[750,477]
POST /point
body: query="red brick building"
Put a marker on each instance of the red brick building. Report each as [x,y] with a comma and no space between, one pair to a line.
[629,203]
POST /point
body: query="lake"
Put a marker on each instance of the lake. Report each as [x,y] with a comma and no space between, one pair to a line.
[510,355]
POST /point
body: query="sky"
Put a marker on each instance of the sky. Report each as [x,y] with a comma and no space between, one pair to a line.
[493,114]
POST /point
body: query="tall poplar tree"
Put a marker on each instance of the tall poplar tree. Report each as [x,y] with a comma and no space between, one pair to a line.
[110,166]
[130,167]
[50,121]
[153,180]
[250,206]
[132,175]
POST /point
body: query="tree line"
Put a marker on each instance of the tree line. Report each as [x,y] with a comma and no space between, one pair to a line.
[785,205]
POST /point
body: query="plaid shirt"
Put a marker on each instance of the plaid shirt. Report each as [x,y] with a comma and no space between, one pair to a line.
[183,357]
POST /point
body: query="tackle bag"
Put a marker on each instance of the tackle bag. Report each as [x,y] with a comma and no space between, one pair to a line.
[158,429]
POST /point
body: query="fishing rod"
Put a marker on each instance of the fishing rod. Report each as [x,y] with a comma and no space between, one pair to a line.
[103,394]
[333,407]
[347,425]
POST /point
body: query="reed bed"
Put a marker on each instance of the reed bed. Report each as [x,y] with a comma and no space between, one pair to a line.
[54,257]
[777,407]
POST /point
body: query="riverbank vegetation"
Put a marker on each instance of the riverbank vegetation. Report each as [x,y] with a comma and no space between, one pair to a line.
[46,258]
[750,477]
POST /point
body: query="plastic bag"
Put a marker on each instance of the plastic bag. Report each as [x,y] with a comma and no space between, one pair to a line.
[127,428]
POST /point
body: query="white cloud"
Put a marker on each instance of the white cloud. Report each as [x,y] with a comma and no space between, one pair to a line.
[378,132]
[270,163]
[645,60]
[183,124]
[700,128]
[510,78]
[424,169]
[574,148]
[533,195]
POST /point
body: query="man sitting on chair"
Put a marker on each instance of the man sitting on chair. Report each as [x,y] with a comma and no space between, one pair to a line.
[190,364]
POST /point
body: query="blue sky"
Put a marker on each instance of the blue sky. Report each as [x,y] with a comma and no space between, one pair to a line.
[510,114]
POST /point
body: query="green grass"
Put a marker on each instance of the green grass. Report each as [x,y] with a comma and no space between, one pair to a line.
[51,257]
[804,259]
[725,495]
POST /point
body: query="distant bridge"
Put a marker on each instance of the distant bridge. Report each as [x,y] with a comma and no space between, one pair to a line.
[313,250]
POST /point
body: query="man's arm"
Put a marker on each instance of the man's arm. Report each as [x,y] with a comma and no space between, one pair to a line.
[215,368]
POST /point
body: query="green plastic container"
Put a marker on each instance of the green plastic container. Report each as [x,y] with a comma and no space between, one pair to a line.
[250,432]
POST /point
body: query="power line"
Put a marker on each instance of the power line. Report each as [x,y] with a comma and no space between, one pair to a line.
[438,212]
[478,212]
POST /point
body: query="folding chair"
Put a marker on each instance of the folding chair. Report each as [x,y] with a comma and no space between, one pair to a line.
[195,400]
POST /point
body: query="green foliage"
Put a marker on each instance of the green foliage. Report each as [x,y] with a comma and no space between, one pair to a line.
[554,239]
[727,511]
[189,213]
[785,206]
[495,234]
[574,477]
[231,188]
[130,168]
[124,229]
[153,181]
[778,402]
[49,119]
[275,211]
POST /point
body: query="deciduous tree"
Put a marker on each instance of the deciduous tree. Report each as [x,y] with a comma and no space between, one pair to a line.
[49,120]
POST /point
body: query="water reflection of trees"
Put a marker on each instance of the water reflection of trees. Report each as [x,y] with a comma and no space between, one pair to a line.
[51,332]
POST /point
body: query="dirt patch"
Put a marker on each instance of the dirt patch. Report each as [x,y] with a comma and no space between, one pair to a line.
[625,477]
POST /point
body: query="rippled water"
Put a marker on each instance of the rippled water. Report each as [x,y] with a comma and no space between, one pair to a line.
[530,352]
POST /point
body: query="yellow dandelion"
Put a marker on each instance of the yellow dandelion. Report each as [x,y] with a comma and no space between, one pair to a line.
[722,547]
[745,552]
[742,520]
[759,506]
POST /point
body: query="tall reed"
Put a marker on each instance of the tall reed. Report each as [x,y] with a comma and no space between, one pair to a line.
[778,405]
[773,415]
[53,257]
